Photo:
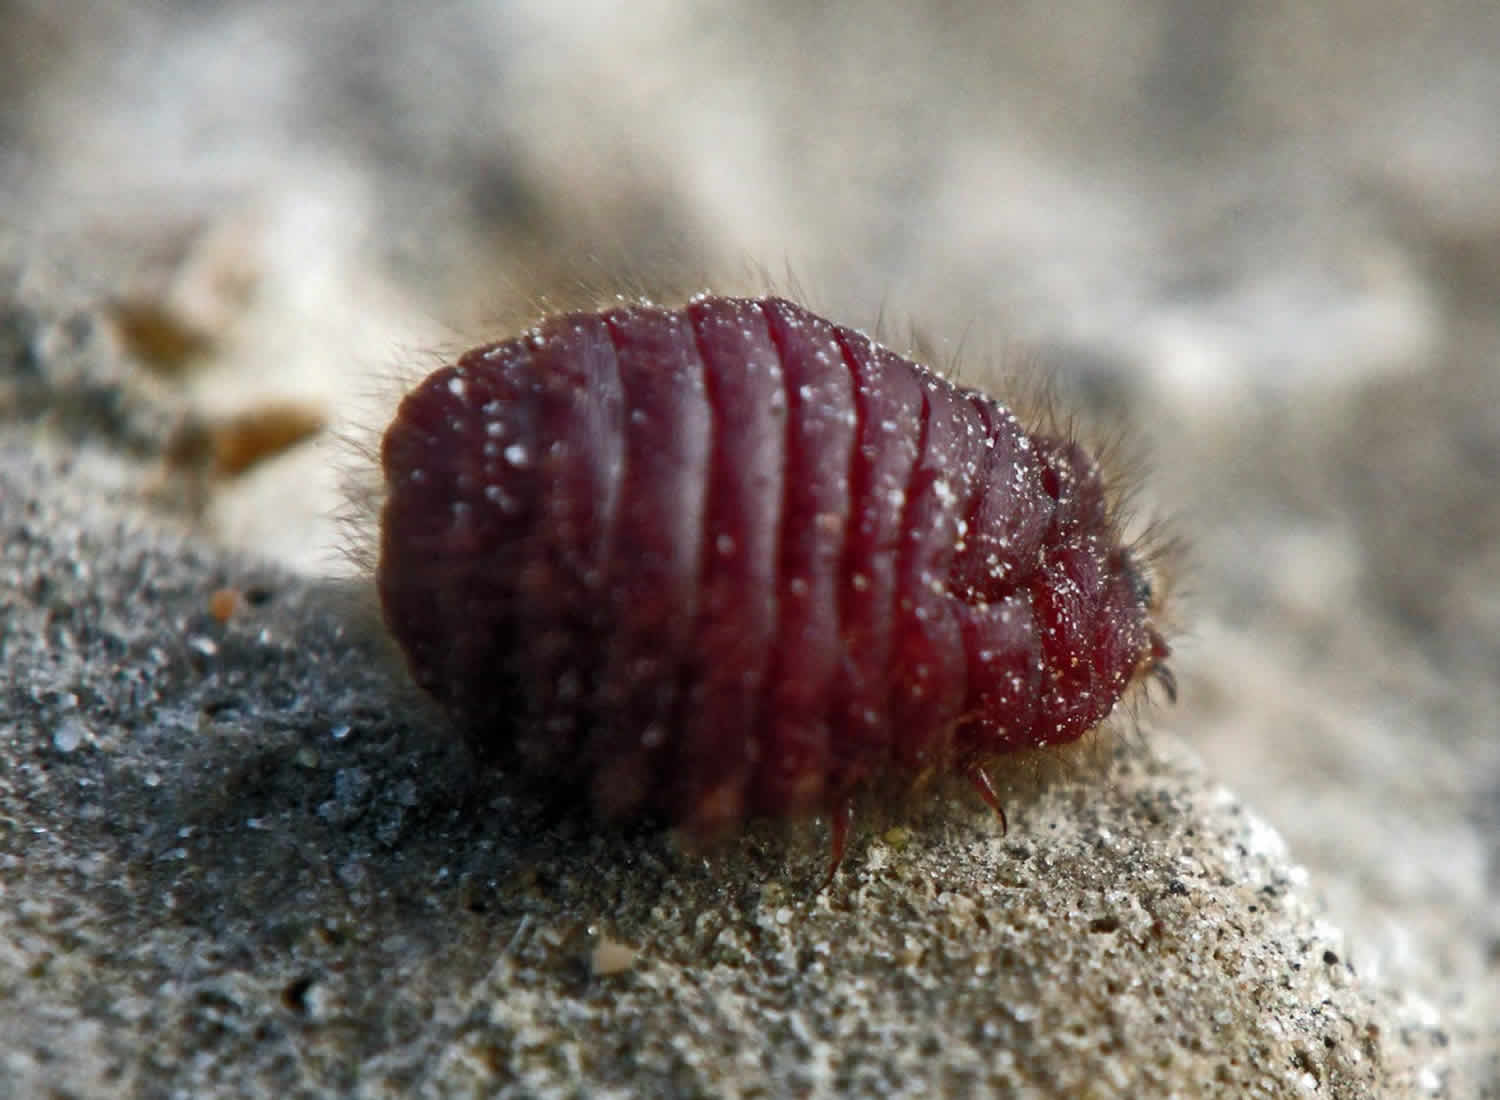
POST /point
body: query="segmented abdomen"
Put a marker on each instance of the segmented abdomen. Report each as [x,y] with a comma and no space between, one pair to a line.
[735,559]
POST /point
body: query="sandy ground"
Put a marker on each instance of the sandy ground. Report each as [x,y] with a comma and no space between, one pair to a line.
[237,857]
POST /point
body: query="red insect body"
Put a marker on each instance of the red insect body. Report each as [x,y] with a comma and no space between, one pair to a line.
[736,560]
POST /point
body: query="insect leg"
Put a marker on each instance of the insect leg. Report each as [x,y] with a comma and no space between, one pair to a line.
[841,819]
[986,789]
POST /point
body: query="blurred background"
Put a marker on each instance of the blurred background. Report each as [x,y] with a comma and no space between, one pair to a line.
[1262,238]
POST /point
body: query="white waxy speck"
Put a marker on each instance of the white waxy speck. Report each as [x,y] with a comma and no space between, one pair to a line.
[517,455]
[860,582]
[797,586]
[68,736]
[494,427]
[724,544]
[457,387]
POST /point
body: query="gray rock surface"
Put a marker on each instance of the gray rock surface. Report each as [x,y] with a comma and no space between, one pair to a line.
[237,856]
[238,861]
